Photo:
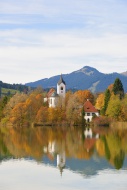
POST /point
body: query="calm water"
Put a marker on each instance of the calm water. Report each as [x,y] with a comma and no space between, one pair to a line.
[63,158]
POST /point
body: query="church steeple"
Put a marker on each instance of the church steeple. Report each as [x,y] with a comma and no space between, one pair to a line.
[61,80]
[61,87]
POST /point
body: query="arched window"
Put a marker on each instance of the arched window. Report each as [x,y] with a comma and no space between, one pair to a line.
[61,87]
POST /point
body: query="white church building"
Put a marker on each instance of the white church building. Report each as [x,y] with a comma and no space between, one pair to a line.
[54,97]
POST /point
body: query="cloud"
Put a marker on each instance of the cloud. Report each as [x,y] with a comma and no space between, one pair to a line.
[64,43]
[64,36]
[87,11]
[52,54]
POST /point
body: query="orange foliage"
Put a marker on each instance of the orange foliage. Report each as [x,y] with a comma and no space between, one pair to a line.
[42,114]
[17,113]
[83,95]
[110,87]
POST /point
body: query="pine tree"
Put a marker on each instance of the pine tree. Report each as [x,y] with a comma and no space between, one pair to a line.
[106,101]
[118,88]
[82,117]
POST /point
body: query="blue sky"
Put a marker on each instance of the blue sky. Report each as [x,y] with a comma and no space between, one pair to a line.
[43,38]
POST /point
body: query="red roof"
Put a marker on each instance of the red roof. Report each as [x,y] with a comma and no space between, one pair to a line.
[88,107]
[51,91]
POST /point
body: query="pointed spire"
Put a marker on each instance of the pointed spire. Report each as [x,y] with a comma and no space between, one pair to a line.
[61,80]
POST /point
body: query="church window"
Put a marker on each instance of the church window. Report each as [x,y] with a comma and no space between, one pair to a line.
[61,89]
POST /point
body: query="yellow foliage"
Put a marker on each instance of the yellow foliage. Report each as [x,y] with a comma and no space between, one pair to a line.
[100,101]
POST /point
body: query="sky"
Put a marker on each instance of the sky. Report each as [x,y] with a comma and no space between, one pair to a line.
[43,38]
[27,174]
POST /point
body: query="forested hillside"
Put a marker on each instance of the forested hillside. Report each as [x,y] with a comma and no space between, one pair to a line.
[8,89]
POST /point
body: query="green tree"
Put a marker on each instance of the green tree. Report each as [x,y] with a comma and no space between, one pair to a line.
[3,102]
[82,117]
[114,107]
[118,88]
[106,101]
[124,109]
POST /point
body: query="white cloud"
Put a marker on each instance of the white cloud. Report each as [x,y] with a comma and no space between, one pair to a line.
[42,38]
[62,43]
[61,53]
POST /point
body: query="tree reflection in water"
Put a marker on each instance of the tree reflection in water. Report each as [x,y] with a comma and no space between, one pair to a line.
[63,143]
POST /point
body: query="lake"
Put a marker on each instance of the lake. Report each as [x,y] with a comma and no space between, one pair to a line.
[62,158]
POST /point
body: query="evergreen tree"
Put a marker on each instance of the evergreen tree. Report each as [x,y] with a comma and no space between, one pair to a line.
[3,102]
[106,101]
[118,88]
[0,91]
[82,117]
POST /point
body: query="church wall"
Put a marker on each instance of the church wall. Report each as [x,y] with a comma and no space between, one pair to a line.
[61,89]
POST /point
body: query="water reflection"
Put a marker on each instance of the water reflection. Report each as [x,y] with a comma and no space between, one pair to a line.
[85,151]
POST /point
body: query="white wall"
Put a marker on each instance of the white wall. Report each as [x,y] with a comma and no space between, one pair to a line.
[53,102]
[89,116]
[59,91]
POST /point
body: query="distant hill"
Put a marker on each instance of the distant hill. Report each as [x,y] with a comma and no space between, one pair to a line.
[11,89]
[124,73]
[86,168]
[85,78]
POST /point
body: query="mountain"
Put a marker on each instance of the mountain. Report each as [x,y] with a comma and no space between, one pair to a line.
[85,78]
[124,73]
[86,168]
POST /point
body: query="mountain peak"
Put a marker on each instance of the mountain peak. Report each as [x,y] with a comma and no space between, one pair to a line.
[84,78]
[88,70]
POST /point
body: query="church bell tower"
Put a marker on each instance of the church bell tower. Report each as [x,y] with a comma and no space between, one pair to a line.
[61,87]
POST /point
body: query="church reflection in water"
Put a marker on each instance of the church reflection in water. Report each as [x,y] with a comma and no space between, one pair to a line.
[65,147]
[53,149]
[57,150]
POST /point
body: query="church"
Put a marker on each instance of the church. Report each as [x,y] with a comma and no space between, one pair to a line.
[53,97]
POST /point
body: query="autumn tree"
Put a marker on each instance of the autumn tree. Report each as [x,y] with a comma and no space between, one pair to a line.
[42,114]
[100,101]
[52,115]
[123,115]
[33,104]
[17,115]
[110,87]
[73,109]
[83,95]
[67,97]
[16,99]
